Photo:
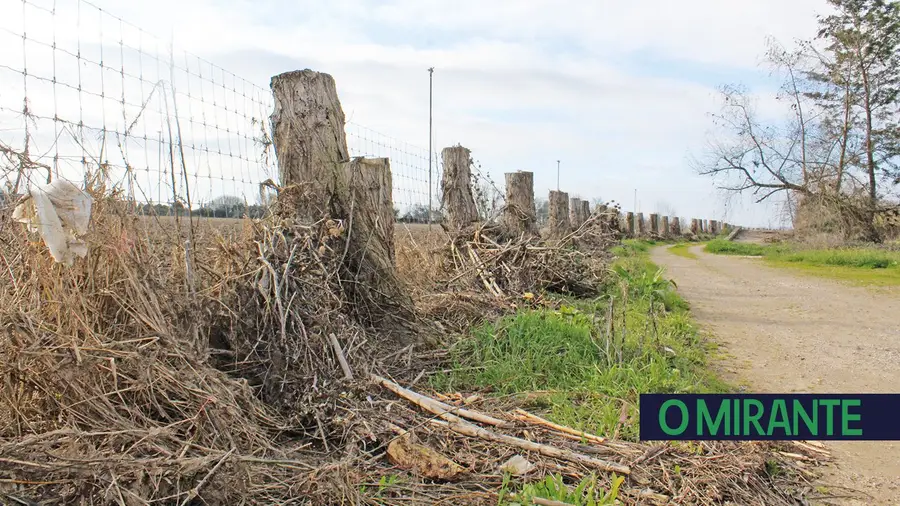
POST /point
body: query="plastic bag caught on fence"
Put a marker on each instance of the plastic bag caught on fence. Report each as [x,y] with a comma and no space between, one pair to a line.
[60,212]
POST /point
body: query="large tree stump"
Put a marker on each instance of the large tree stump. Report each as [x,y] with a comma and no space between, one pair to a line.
[639,224]
[664,227]
[313,161]
[695,226]
[713,227]
[308,135]
[559,213]
[676,226]
[585,211]
[519,215]
[654,223]
[456,186]
[629,223]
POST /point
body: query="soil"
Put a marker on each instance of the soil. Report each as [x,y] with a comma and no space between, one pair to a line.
[785,332]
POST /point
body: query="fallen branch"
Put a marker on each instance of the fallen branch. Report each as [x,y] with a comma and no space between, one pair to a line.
[348,374]
[528,417]
[445,411]
[467,429]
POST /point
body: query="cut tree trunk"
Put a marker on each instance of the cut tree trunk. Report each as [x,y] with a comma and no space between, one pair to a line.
[458,201]
[654,224]
[676,226]
[664,226]
[559,213]
[315,171]
[629,223]
[640,224]
[575,219]
[585,211]
[519,213]
[695,226]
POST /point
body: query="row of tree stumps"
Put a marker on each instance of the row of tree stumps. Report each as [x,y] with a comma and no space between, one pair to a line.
[565,214]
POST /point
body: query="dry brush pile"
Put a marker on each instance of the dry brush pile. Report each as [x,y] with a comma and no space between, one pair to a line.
[143,375]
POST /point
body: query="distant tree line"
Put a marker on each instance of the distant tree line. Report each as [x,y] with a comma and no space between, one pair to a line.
[226,206]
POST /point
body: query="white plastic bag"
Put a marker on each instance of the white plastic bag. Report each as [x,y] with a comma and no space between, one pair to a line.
[60,212]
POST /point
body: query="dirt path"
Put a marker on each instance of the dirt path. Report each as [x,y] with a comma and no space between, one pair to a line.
[786,332]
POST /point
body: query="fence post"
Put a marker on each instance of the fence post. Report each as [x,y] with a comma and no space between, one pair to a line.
[311,147]
[575,212]
[519,213]
[456,187]
[559,213]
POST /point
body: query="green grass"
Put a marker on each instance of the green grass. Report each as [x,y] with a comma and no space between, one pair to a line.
[864,266]
[588,379]
[681,249]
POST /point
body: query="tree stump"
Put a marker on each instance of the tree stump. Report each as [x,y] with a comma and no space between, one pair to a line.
[519,215]
[664,227]
[640,224]
[575,212]
[313,161]
[713,227]
[695,226]
[676,226]
[654,224]
[559,213]
[585,211]
[629,223]
[456,186]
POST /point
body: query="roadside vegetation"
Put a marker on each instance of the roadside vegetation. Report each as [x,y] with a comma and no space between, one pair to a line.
[861,265]
[584,363]
[681,249]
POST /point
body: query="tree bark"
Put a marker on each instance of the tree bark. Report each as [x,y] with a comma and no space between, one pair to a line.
[629,223]
[585,211]
[641,230]
[654,223]
[321,183]
[559,213]
[456,185]
[664,227]
[575,218]
[676,226]
[519,213]
[695,226]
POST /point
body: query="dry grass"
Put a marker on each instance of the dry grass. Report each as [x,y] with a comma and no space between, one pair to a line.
[143,375]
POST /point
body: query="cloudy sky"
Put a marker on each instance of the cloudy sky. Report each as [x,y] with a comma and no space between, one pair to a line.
[618,92]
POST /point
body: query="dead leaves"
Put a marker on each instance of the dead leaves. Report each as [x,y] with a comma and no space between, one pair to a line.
[421,460]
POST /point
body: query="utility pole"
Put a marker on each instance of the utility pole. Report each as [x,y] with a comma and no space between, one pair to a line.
[430,150]
[557,175]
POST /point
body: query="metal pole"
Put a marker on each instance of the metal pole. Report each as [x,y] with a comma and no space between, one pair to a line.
[557,175]
[430,193]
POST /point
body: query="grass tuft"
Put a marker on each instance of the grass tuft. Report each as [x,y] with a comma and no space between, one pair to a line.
[681,249]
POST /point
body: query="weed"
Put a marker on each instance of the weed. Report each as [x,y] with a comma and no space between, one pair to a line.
[554,488]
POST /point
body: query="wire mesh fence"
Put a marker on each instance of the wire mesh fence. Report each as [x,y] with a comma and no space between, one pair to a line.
[87,94]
